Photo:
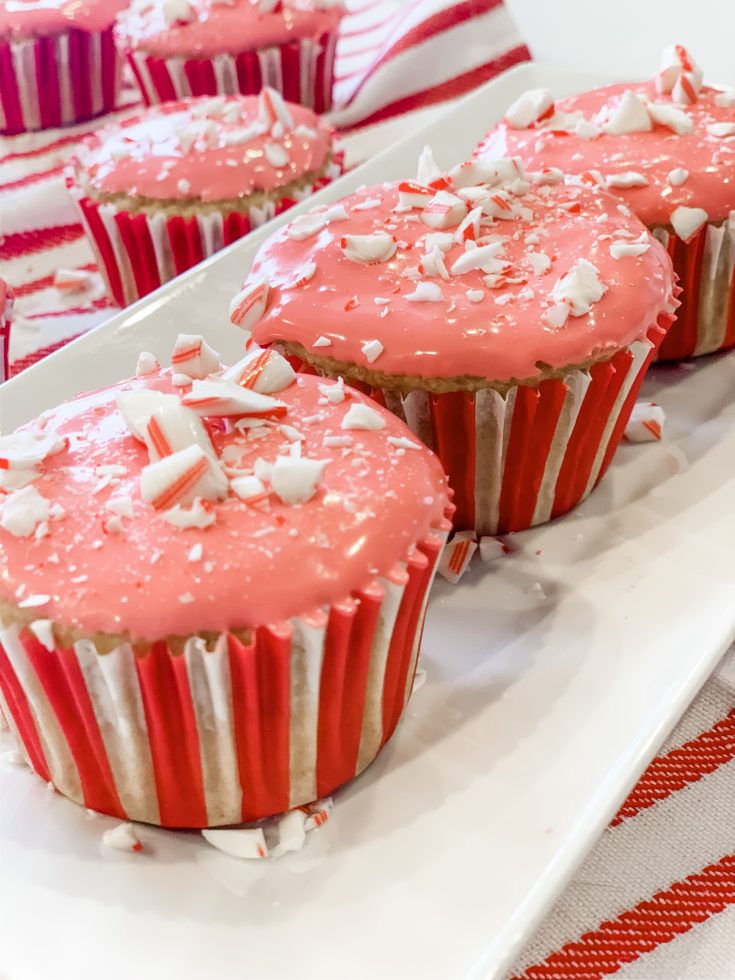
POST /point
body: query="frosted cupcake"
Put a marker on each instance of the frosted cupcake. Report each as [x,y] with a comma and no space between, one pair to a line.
[164,189]
[508,318]
[666,147]
[212,587]
[6,316]
[179,48]
[58,63]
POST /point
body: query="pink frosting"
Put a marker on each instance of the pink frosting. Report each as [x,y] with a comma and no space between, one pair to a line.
[257,566]
[500,335]
[224,27]
[25,18]
[709,159]
[187,149]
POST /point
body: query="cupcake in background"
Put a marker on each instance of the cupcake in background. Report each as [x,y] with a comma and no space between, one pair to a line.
[666,147]
[180,48]
[230,568]
[163,189]
[508,318]
[58,62]
[6,316]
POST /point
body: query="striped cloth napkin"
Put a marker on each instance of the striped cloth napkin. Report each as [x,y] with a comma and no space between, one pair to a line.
[656,897]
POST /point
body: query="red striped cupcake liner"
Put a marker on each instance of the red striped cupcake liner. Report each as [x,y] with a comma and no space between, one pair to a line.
[138,252]
[6,319]
[210,737]
[524,458]
[705,321]
[302,71]
[47,82]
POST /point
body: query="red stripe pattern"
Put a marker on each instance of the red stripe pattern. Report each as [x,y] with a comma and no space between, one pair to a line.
[637,931]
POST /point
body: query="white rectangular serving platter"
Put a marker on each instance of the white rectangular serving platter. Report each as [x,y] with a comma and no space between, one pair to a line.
[538,715]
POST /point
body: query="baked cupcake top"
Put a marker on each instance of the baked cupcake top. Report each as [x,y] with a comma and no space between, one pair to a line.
[664,144]
[30,18]
[206,149]
[207,27]
[484,273]
[173,504]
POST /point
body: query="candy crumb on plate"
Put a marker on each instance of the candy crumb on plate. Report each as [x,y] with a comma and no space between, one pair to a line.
[457,555]
[121,838]
[273,837]
[646,423]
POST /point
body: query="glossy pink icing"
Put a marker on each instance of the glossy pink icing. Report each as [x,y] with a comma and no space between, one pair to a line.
[145,156]
[709,159]
[501,337]
[223,27]
[26,18]
[373,503]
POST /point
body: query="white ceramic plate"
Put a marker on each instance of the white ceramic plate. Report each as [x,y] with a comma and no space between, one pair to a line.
[537,717]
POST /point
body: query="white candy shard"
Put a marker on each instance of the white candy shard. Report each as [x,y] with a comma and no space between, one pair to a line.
[22,511]
[272,108]
[646,423]
[225,398]
[122,838]
[28,448]
[726,99]
[491,549]
[179,478]
[193,356]
[249,305]
[121,505]
[473,173]
[334,393]
[686,222]
[175,427]
[539,262]
[367,249]
[469,228]
[200,515]
[630,115]
[147,364]
[685,89]
[295,479]
[529,107]
[579,288]
[444,210]
[630,178]
[372,349]
[476,258]
[276,155]
[322,342]
[264,371]
[675,61]
[547,176]
[456,557]
[677,176]
[414,195]
[137,406]
[668,115]
[619,250]
[305,226]
[361,416]
[721,129]
[240,842]
[247,487]
[291,832]
[428,169]
[426,292]
[556,316]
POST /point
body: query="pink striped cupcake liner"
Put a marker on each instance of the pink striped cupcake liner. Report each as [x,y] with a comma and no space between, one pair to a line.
[138,252]
[705,321]
[53,81]
[206,737]
[6,318]
[302,71]
[523,458]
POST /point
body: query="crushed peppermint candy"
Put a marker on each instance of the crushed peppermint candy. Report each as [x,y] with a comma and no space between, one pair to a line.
[646,423]
[457,555]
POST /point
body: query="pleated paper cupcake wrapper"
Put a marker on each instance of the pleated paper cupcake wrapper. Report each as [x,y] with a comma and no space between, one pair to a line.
[206,738]
[137,253]
[302,71]
[705,321]
[524,458]
[4,348]
[54,81]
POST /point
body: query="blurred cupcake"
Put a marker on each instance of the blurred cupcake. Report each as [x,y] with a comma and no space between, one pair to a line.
[666,147]
[162,190]
[6,315]
[508,319]
[179,48]
[58,63]
[212,588]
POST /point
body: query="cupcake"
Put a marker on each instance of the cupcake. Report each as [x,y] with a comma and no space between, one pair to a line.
[666,147]
[58,63]
[179,48]
[6,315]
[212,587]
[163,189]
[508,318]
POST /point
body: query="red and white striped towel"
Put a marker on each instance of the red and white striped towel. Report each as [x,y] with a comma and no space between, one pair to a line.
[656,898]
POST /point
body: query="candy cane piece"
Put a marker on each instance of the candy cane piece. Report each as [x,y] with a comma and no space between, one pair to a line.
[444,210]
[193,356]
[530,107]
[457,555]
[224,398]
[414,195]
[249,305]
[137,405]
[182,476]
[175,427]
[368,249]
[272,108]
[29,448]
[264,371]
[646,423]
